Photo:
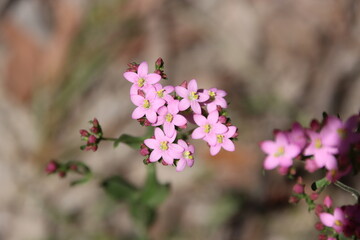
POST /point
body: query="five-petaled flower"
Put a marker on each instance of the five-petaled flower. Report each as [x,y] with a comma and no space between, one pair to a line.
[187,156]
[191,97]
[223,141]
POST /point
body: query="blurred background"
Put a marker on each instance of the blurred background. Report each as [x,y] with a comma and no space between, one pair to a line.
[61,64]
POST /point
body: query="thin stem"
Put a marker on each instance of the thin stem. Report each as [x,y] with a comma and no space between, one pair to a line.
[108,139]
[349,189]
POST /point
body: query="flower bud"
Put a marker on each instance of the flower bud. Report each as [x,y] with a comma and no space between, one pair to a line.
[144,150]
[94,130]
[298,188]
[74,167]
[283,170]
[184,84]
[62,174]
[159,63]
[132,67]
[328,201]
[183,126]
[315,125]
[314,196]
[319,209]
[95,122]
[92,139]
[222,119]
[51,167]
[84,133]
[293,199]
[319,226]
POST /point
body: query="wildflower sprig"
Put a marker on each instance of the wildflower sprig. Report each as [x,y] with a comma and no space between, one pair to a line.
[171,109]
[331,146]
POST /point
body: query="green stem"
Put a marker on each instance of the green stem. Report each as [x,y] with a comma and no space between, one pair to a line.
[349,189]
[108,139]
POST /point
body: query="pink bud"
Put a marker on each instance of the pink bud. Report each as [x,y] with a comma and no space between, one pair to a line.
[159,63]
[94,130]
[218,108]
[328,201]
[92,139]
[163,162]
[298,188]
[293,199]
[95,122]
[222,119]
[183,126]
[132,67]
[322,237]
[283,170]
[51,167]
[74,167]
[144,150]
[62,174]
[141,93]
[319,226]
[319,209]
[315,125]
[314,196]
[84,133]
[184,84]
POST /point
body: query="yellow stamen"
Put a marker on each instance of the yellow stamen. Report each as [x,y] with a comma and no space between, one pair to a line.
[212,94]
[220,138]
[164,145]
[280,151]
[193,96]
[141,82]
[207,128]
[338,223]
[160,93]
[318,143]
[187,155]
[169,117]
[146,104]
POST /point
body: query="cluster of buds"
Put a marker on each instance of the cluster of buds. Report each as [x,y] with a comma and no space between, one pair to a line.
[170,109]
[337,220]
[332,145]
[62,169]
[92,137]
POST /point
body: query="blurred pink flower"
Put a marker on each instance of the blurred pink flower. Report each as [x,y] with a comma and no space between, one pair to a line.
[335,220]
[280,152]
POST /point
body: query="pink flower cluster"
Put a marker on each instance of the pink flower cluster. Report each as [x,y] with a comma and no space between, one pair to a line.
[343,220]
[326,145]
[170,109]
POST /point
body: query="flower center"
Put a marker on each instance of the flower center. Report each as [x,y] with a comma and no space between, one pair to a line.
[187,155]
[342,133]
[220,138]
[146,104]
[318,143]
[141,82]
[280,151]
[160,93]
[169,117]
[212,94]
[164,145]
[193,96]
[207,128]
[338,223]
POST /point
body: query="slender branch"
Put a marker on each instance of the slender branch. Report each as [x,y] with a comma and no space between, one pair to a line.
[349,189]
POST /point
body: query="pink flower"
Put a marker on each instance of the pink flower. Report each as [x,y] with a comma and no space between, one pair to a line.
[186,157]
[191,97]
[163,147]
[223,141]
[321,147]
[169,118]
[280,152]
[328,201]
[342,134]
[297,135]
[147,105]
[208,128]
[335,220]
[216,99]
[164,92]
[142,78]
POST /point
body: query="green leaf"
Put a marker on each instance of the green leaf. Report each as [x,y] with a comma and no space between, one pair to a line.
[153,192]
[142,214]
[119,189]
[131,141]
[320,184]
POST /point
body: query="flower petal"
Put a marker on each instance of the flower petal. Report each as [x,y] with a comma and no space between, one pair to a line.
[180,166]
[198,133]
[184,104]
[151,143]
[327,219]
[155,155]
[195,106]
[131,77]
[213,117]
[143,69]
[215,149]
[137,100]
[153,78]
[271,162]
[151,116]
[181,91]
[228,145]
[200,120]
[269,147]
[192,86]
[167,158]
[138,113]
[179,120]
